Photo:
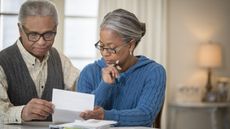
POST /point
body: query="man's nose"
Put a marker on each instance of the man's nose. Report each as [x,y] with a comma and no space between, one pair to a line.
[41,41]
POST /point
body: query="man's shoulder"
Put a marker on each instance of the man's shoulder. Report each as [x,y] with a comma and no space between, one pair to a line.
[10,48]
[8,52]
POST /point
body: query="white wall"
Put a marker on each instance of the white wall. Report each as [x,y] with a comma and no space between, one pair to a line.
[191,22]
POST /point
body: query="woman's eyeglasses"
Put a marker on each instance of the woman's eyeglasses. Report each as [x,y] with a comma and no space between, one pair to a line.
[108,49]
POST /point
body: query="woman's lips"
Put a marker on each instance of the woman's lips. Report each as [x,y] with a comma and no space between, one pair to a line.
[109,61]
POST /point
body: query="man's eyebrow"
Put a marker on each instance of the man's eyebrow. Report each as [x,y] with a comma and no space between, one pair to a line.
[31,31]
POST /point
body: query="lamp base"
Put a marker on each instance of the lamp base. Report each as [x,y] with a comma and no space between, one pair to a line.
[210,96]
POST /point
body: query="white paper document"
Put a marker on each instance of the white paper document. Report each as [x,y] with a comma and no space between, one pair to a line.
[69,105]
[86,124]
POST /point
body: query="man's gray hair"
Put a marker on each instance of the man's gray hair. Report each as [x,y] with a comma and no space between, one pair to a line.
[37,8]
[125,24]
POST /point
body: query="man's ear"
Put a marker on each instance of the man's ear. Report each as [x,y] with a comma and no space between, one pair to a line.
[20,29]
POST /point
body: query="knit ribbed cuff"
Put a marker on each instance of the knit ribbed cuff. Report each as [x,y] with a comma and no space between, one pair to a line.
[111,115]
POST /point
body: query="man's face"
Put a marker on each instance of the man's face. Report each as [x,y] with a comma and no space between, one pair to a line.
[37,35]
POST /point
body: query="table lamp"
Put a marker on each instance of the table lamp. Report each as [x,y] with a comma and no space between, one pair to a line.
[209,57]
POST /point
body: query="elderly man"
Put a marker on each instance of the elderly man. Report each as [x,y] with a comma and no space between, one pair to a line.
[31,67]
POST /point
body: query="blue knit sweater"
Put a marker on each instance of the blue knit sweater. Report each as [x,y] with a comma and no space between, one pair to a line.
[136,97]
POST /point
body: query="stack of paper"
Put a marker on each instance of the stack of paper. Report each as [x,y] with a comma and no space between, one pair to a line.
[85,124]
[69,105]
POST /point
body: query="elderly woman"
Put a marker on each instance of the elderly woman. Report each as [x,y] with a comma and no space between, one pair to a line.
[128,89]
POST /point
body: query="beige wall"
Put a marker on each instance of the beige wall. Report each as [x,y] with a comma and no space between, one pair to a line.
[191,22]
[60,32]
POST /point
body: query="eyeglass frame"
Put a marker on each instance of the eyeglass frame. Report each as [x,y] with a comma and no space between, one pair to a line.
[110,50]
[38,34]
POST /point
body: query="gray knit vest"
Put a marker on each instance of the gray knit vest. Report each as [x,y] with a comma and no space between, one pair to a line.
[21,88]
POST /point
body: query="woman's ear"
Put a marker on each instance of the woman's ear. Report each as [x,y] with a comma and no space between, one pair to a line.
[132,46]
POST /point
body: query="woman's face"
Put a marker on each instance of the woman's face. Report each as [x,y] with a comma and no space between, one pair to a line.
[110,39]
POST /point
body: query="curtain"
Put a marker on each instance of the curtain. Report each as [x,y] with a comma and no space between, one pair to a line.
[150,12]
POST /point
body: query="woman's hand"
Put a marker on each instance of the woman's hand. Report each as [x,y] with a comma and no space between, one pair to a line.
[97,113]
[109,74]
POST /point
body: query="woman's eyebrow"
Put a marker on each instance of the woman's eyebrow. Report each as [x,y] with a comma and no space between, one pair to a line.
[107,43]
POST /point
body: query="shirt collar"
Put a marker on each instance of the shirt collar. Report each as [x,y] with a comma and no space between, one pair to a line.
[29,57]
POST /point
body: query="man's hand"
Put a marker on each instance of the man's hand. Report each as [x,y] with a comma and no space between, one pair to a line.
[97,113]
[37,109]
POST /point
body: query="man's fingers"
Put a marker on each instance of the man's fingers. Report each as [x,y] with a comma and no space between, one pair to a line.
[38,117]
[37,109]
[45,106]
[40,112]
[45,103]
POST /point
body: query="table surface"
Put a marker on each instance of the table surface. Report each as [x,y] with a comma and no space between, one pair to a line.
[200,104]
[198,115]
[45,125]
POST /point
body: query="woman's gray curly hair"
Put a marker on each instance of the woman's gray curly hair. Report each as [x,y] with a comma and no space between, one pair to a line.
[125,24]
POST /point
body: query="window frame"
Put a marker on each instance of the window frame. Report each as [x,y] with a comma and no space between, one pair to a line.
[2,14]
[75,58]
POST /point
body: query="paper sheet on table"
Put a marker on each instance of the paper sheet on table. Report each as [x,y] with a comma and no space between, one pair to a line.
[85,124]
[69,105]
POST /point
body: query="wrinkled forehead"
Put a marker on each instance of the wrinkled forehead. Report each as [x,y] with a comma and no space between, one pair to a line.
[39,23]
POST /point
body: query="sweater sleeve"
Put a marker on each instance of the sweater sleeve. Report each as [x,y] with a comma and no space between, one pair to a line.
[85,81]
[88,83]
[103,94]
[148,106]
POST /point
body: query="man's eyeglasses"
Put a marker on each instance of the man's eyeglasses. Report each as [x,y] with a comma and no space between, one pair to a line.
[110,50]
[35,36]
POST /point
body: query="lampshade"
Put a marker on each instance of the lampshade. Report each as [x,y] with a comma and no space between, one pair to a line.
[210,55]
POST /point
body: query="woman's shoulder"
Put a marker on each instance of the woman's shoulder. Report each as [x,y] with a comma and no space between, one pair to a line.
[93,66]
[149,63]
